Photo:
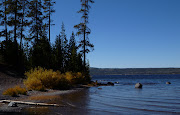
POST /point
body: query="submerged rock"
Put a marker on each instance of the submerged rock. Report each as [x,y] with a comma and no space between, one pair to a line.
[110,83]
[138,85]
[168,82]
[12,104]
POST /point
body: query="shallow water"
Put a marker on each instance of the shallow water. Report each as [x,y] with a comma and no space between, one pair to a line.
[156,97]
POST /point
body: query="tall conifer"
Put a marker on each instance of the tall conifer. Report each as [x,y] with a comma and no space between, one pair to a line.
[36,19]
[84,30]
[72,60]
[58,56]
[48,9]
[64,45]
[3,19]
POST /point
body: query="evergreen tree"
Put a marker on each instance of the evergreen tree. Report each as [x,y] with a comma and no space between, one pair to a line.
[48,9]
[36,19]
[57,54]
[40,53]
[3,19]
[23,20]
[80,66]
[23,23]
[72,59]
[13,10]
[64,45]
[6,45]
[84,30]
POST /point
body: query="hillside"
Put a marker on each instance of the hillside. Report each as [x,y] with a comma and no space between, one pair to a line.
[133,71]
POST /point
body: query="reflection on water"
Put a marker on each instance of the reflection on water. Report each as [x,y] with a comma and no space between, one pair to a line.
[37,110]
[156,97]
[75,103]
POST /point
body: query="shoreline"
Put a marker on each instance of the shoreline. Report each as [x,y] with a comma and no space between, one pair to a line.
[83,99]
[38,97]
[49,96]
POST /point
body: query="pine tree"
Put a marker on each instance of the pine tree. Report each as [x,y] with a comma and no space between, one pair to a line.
[40,53]
[3,19]
[23,20]
[64,45]
[72,59]
[84,30]
[48,9]
[36,19]
[22,26]
[57,54]
[80,66]
[13,10]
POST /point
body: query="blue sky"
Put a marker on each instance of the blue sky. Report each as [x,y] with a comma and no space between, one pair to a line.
[127,33]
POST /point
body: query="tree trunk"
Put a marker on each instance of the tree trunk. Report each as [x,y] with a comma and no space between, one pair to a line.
[36,21]
[22,30]
[49,22]
[15,20]
[84,48]
[5,19]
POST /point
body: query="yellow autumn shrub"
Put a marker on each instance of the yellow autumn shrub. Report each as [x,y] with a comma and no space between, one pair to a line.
[34,84]
[10,92]
[15,91]
[75,78]
[68,76]
[20,90]
[40,79]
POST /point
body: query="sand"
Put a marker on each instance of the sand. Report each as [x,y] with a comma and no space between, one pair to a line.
[8,81]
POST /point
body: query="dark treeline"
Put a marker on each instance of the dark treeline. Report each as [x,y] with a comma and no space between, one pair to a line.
[25,38]
[134,71]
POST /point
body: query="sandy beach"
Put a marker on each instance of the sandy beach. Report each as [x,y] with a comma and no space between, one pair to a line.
[49,96]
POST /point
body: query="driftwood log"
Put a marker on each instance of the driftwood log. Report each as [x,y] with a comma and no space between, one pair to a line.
[30,103]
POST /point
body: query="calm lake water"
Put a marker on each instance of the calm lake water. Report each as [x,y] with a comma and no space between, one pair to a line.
[156,97]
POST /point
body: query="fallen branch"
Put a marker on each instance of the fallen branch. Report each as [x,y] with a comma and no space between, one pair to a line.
[30,103]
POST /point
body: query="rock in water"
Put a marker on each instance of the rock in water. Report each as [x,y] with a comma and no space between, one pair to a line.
[168,82]
[116,82]
[12,104]
[138,85]
[110,83]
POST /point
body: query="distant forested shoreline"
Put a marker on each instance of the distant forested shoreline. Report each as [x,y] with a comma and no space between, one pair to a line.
[133,71]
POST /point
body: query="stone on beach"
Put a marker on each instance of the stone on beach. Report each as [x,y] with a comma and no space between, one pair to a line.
[12,104]
[138,85]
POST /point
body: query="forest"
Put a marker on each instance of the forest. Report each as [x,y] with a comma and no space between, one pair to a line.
[134,71]
[25,37]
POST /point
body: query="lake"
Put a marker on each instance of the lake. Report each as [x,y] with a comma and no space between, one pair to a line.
[156,97]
